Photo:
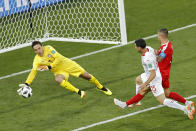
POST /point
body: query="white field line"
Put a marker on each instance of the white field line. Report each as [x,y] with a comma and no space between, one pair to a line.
[124,116]
[102,50]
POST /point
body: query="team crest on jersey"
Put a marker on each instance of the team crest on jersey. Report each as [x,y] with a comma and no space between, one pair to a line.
[49,55]
[53,52]
[149,65]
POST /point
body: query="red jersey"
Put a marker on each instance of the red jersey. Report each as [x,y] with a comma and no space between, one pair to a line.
[166,50]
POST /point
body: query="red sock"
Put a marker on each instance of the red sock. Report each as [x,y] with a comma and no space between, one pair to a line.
[177,97]
[135,99]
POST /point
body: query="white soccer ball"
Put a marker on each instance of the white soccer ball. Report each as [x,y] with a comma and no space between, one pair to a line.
[25,91]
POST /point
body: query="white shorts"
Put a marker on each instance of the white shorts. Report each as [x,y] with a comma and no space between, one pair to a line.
[156,87]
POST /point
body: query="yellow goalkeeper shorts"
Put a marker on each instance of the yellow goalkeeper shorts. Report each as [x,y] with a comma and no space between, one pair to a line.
[70,68]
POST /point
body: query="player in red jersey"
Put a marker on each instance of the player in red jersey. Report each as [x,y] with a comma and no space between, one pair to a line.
[165,53]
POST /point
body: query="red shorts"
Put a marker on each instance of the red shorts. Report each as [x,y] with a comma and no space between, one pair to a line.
[165,81]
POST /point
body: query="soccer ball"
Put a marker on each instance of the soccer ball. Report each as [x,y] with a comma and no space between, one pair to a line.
[25,91]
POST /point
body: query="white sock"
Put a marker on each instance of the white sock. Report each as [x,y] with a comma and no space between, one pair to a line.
[173,104]
[137,88]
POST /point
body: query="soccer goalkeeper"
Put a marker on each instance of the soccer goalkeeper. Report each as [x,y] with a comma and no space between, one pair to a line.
[47,58]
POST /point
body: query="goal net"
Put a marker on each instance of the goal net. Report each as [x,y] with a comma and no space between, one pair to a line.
[92,21]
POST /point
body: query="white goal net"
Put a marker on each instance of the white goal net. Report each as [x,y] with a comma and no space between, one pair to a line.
[92,21]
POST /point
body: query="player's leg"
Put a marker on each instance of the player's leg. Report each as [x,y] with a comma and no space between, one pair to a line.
[94,81]
[138,83]
[170,103]
[76,70]
[176,96]
[62,80]
[142,92]
[133,100]
[158,92]
[173,104]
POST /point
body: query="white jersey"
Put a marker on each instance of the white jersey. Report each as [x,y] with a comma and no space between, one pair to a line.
[151,50]
[149,62]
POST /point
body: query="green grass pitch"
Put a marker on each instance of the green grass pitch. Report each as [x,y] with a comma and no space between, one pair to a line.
[53,108]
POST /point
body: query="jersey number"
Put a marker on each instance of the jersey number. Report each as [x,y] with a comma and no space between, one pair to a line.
[153,89]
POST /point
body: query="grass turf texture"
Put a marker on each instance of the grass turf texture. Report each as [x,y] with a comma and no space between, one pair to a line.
[54,108]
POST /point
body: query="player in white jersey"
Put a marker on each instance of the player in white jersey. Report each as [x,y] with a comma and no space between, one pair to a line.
[152,80]
[141,78]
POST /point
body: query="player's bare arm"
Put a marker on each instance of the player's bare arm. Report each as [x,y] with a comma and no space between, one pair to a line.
[156,52]
[159,58]
[151,77]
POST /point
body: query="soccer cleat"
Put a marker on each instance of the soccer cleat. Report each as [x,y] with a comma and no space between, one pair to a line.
[192,107]
[120,103]
[106,91]
[188,112]
[83,94]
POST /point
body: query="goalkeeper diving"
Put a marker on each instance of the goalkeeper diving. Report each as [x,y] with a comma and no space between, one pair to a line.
[47,58]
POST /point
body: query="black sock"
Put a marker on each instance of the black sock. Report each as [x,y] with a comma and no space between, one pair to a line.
[79,92]
[104,89]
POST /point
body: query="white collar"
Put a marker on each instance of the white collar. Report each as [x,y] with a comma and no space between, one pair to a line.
[165,43]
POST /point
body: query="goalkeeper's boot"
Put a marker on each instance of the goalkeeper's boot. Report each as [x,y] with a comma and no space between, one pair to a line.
[106,91]
[83,94]
[120,103]
[188,112]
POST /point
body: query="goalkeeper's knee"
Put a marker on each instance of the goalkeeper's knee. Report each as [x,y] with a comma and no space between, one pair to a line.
[59,79]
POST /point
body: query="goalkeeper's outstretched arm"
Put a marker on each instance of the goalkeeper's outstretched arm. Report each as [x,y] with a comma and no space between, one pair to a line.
[31,76]
[33,72]
[28,81]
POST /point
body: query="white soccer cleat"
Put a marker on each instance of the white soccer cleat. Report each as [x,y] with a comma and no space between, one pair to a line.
[188,112]
[120,103]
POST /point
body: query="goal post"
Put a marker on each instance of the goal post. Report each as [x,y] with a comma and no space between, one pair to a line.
[88,21]
[122,21]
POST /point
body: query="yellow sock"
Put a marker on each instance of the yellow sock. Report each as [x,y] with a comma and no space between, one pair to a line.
[69,86]
[95,82]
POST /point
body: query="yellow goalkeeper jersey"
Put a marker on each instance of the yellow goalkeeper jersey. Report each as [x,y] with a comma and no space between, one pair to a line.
[50,58]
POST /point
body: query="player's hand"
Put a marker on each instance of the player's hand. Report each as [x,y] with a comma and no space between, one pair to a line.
[21,86]
[43,68]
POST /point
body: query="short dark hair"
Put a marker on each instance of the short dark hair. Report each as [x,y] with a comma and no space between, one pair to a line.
[164,31]
[36,43]
[140,43]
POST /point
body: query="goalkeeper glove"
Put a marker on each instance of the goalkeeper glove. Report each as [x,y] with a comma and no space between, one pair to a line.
[44,68]
[22,86]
